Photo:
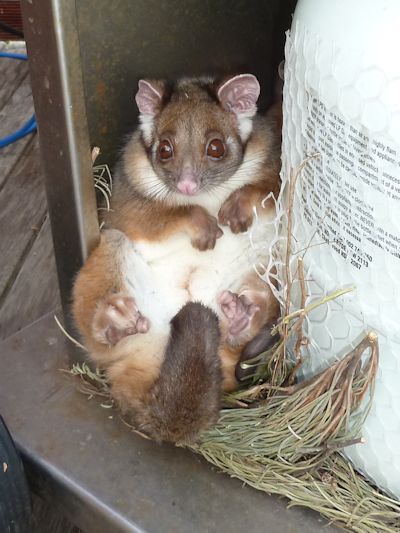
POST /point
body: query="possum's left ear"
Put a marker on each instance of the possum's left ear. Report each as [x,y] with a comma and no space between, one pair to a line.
[239,94]
[149,97]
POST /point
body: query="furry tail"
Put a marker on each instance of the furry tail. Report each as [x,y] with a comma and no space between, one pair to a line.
[186,397]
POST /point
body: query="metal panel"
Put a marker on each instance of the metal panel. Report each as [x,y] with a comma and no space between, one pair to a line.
[124,40]
[83,459]
[100,49]
[56,75]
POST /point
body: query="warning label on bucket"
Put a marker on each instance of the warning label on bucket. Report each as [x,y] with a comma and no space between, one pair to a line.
[353,189]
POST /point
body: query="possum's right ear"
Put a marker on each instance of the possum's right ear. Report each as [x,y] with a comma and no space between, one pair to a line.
[149,97]
[240,94]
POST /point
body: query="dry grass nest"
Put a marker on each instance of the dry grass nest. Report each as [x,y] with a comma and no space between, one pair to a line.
[284,437]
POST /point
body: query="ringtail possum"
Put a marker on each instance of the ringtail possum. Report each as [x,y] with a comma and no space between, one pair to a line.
[168,301]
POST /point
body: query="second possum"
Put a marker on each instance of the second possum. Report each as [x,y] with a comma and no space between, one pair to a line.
[168,301]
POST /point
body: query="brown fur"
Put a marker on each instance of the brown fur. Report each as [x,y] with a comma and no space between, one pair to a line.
[229,359]
[192,111]
[172,387]
[101,276]
[256,291]
[151,221]
[185,398]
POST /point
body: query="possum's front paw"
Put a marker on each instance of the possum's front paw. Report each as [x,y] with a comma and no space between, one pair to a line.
[117,316]
[236,213]
[205,230]
[236,325]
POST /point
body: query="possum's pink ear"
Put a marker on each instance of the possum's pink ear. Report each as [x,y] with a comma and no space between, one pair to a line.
[149,97]
[239,94]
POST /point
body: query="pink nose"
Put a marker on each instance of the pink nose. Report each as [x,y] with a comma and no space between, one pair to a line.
[187,187]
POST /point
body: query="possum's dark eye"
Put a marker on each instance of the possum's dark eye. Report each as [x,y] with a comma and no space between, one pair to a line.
[216,149]
[165,150]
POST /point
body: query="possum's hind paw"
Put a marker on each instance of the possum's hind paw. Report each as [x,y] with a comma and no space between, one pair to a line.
[238,313]
[116,317]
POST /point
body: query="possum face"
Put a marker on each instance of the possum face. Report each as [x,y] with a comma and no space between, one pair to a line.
[195,133]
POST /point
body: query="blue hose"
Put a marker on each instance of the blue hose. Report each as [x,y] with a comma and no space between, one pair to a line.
[26,128]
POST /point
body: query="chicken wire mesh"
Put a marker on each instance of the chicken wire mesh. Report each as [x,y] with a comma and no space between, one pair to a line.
[346,223]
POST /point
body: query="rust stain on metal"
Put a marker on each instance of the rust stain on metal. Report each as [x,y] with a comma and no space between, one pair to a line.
[100,89]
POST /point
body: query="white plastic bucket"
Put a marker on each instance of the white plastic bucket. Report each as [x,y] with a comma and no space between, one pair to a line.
[342,99]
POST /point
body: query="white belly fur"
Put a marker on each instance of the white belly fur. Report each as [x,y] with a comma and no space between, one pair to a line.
[162,277]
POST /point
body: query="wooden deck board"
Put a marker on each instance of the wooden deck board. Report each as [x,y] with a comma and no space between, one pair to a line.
[15,113]
[12,72]
[35,290]
[28,280]
[22,206]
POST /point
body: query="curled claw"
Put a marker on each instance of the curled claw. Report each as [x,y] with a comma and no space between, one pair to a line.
[238,312]
[142,325]
[114,334]
[206,231]
[116,317]
[236,214]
